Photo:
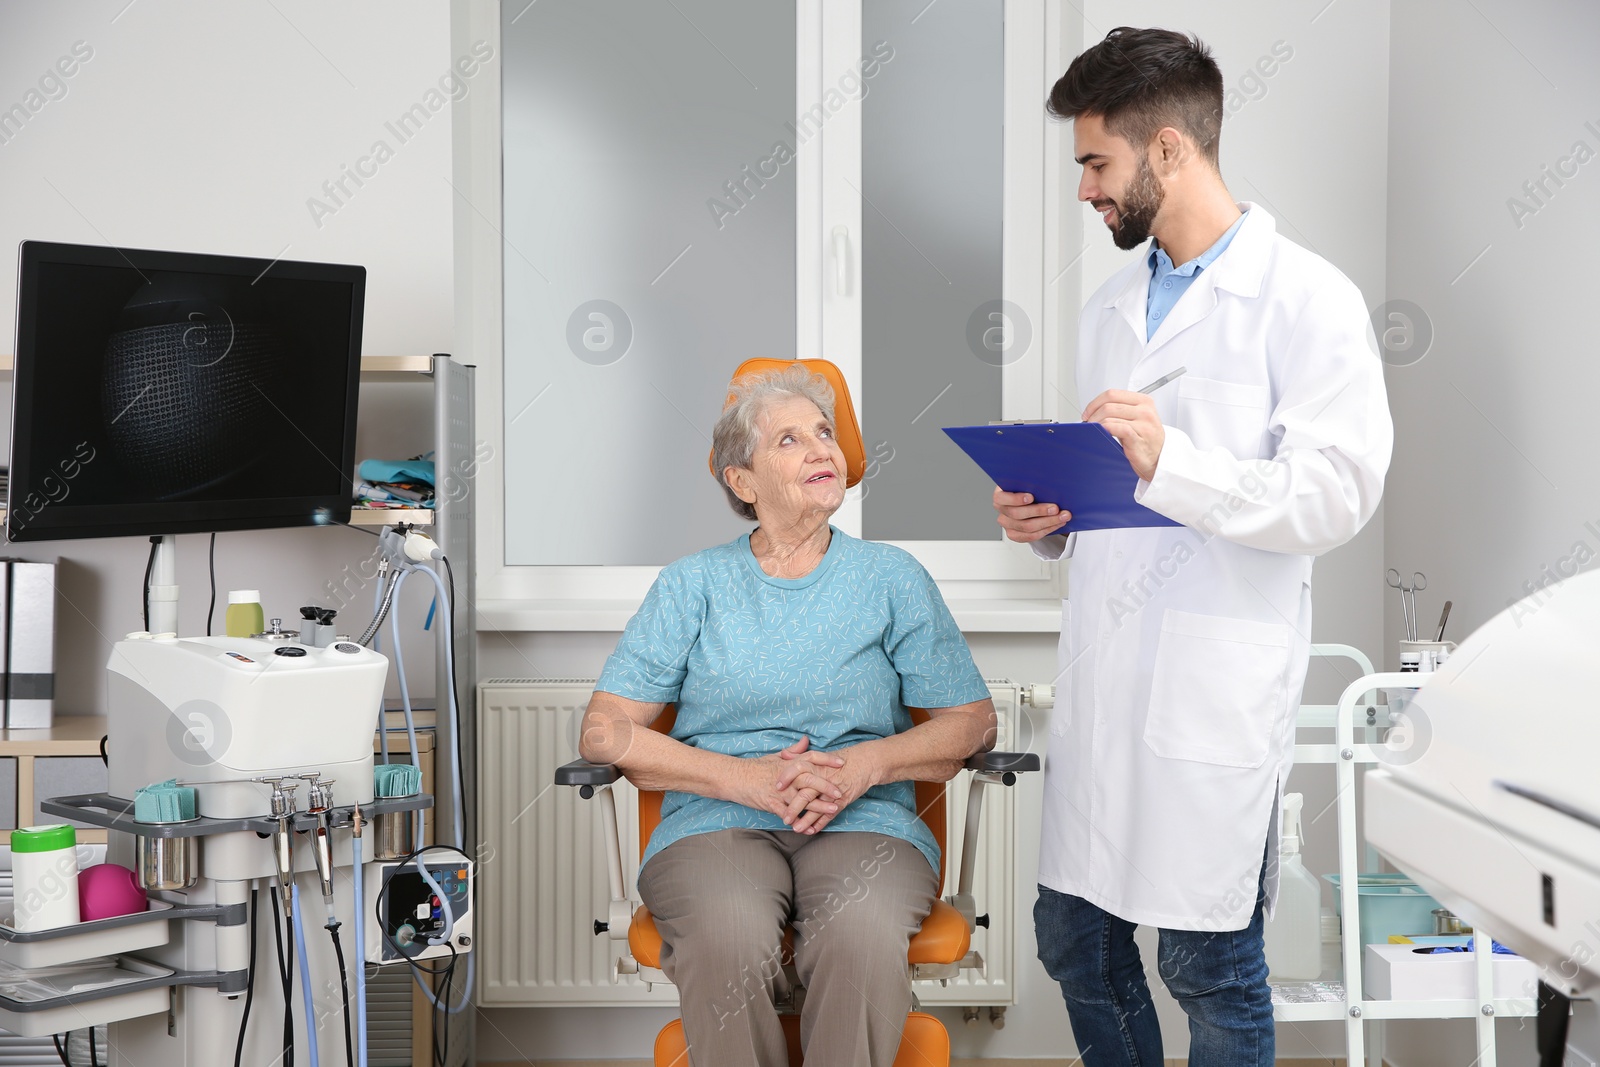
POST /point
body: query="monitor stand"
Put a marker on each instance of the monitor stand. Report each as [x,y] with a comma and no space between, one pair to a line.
[164,587]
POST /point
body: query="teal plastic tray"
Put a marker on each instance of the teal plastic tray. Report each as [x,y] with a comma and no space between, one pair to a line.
[1388,904]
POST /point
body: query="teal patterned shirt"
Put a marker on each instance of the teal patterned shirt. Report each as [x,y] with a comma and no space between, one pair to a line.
[754,663]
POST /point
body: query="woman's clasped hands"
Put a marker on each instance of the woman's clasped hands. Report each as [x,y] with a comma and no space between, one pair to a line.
[813,787]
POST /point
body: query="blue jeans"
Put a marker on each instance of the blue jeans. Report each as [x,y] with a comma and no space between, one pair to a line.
[1220,979]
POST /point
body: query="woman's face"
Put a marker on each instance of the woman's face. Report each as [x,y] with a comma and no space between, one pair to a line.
[797,469]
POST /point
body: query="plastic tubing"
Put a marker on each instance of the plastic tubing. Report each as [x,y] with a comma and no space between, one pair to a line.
[453,725]
[377,621]
[454,718]
[383,723]
[405,691]
[305,974]
[411,736]
[360,954]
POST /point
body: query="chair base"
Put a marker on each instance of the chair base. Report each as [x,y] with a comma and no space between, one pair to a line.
[924,1043]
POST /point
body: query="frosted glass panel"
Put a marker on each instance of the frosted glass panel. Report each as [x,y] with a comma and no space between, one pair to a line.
[934,335]
[649,249]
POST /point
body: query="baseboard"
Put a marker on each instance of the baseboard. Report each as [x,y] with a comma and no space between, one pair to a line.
[1074,1062]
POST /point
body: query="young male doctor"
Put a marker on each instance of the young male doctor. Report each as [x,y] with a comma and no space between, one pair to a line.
[1184,648]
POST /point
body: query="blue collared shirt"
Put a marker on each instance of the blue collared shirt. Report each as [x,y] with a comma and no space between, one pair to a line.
[1168,283]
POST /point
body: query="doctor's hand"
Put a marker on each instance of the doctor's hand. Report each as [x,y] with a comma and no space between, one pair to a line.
[855,774]
[1024,520]
[1131,418]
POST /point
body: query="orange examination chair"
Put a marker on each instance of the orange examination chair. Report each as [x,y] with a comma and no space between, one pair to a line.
[938,952]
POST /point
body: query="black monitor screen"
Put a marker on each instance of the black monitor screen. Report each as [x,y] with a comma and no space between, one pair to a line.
[166,392]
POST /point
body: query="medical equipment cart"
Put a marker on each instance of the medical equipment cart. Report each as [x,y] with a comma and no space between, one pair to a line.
[1347,755]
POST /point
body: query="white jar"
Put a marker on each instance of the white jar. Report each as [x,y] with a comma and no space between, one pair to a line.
[44,876]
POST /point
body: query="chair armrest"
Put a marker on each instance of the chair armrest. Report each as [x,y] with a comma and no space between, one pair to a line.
[1008,764]
[586,775]
[993,768]
[589,777]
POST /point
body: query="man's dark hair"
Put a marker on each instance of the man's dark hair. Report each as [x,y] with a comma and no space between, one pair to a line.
[1139,81]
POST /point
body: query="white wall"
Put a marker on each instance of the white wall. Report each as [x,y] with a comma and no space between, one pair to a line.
[1499,481]
[206,127]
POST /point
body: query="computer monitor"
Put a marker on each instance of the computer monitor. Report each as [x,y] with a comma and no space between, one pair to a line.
[174,392]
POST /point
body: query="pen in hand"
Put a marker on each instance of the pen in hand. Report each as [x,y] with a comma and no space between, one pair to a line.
[1164,379]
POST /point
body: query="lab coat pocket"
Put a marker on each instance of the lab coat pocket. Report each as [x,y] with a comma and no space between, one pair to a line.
[1230,414]
[1217,689]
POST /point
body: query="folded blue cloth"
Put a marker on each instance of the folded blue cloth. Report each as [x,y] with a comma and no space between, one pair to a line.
[396,780]
[164,802]
[405,470]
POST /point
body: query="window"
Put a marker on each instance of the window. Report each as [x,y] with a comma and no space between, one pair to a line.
[692,184]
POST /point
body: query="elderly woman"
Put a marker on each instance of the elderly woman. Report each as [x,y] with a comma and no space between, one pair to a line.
[791,654]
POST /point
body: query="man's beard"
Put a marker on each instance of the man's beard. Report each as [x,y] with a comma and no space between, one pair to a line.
[1137,211]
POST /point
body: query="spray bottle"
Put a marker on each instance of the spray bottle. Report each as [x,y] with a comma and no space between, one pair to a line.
[1294,935]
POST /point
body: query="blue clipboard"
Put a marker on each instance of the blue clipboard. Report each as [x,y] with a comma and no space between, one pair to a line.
[1077,466]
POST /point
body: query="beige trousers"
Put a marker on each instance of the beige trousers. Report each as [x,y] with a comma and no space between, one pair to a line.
[721,901]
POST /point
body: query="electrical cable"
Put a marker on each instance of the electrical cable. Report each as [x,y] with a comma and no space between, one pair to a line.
[212,610]
[94,1057]
[308,998]
[444,1024]
[285,969]
[344,991]
[60,1051]
[149,569]
[250,976]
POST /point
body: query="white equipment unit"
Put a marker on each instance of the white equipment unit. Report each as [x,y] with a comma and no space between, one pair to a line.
[221,709]
[1499,818]
[250,723]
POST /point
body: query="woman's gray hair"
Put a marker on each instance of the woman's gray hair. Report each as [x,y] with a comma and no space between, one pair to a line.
[734,440]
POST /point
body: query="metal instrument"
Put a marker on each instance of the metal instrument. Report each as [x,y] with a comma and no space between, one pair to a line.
[283,838]
[319,802]
[1408,597]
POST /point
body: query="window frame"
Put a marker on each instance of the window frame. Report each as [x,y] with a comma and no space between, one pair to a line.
[1038,222]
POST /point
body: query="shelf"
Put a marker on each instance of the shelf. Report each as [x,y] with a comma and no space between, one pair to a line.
[114,936]
[69,735]
[373,368]
[1376,1010]
[395,368]
[384,516]
[106,1004]
[115,813]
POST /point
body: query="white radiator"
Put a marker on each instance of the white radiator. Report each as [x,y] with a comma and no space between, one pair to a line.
[542,874]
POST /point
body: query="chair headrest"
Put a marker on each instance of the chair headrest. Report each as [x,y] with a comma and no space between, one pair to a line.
[846,429]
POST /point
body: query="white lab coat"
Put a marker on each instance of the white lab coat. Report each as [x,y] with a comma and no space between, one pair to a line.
[1184,649]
